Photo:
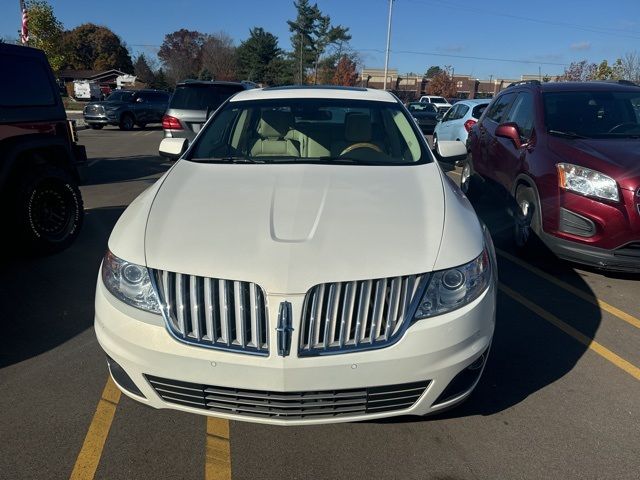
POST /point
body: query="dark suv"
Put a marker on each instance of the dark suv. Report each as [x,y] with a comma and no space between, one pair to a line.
[192,102]
[126,108]
[569,155]
[39,157]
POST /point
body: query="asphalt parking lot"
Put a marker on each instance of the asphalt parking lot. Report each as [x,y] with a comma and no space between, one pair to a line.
[560,397]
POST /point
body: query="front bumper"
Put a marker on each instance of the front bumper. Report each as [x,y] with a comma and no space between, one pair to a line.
[106,119]
[434,350]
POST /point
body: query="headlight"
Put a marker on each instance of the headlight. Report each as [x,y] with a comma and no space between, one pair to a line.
[455,287]
[130,283]
[587,182]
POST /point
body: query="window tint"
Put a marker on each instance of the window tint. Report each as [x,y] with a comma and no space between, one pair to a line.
[462,111]
[596,114]
[450,114]
[226,91]
[26,83]
[195,97]
[437,100]
[499,109]
[522,113]
[478,110]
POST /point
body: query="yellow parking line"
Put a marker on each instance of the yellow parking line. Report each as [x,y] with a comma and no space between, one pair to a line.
[569,330]
[218,454]
[630,319]
[91,451]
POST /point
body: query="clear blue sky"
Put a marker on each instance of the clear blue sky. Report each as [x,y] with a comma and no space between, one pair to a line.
[546,32]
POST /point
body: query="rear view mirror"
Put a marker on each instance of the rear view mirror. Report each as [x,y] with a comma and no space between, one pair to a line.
[451,150]
[510,131]
[173,148]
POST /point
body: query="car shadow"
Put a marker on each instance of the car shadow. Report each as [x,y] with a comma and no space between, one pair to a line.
[116,170]
[45,301]
[528,353]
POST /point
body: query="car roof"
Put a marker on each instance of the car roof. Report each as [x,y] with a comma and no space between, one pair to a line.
[591,86]
[303,91]
[208,82]
[474,101]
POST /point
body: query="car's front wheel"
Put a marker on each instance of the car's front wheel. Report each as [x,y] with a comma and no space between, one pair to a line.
[127,122]
[526,218]
[469,182]
[48,210]
[96,126]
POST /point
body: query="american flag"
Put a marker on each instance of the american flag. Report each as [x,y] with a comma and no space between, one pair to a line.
[24,32]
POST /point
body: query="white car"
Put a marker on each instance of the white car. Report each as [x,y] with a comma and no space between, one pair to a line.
[458,121]
[441,103]
[304,261]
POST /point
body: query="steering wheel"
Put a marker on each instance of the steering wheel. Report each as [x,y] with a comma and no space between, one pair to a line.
[361,145]
[621,125]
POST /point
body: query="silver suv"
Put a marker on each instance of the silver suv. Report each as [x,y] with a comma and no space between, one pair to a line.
[191,104]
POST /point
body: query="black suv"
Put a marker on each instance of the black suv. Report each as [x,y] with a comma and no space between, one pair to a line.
[126,108]
[39,157]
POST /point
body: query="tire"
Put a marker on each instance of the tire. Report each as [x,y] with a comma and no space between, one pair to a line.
[141,125]
[526,219]
[469,182]
[96,126]
[48,210]
[127,122]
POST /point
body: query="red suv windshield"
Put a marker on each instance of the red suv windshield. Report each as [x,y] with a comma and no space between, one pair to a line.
[593,114]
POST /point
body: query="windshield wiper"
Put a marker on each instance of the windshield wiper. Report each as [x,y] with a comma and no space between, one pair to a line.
[227,160]
[560,133]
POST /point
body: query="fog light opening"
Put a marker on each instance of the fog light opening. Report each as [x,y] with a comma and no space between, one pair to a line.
[122,379]
[463,382]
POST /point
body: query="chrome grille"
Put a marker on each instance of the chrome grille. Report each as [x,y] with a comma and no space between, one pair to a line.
[358,315]
[94,110]
[214,313]
[289,405]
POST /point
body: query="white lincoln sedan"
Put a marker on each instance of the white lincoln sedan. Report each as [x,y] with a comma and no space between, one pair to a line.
[304,261]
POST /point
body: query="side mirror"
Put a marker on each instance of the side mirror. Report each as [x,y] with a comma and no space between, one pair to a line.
[173,148]
[451,150]
[139,100]
[439,117]
[510,131]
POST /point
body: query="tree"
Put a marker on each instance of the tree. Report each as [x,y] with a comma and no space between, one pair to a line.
[46,32]
[160,81]
[94,47]
[432,71]
[313,35]
[628,67]
[181,54]
[256,53]
[218,58]
[142,70]
[442,84]
[604,72]
[279,71]
[579,72]
[346,73]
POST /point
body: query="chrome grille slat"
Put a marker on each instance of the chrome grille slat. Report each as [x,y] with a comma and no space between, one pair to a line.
[289,405]
[358,315]
[214,313]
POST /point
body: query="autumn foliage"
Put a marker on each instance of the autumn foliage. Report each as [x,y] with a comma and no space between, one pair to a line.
[346,73]
[442,84]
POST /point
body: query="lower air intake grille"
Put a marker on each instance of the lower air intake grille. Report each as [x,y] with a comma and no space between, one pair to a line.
[289,405]
[213,313]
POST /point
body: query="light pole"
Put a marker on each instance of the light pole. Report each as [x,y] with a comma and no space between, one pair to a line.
[386,59]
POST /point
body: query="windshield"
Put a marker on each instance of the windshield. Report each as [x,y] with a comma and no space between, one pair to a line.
[593,114]
[195,97]
[120,97]
[327,131]
[438,100]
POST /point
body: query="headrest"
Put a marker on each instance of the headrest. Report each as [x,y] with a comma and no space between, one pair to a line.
[357,127]
[275,124]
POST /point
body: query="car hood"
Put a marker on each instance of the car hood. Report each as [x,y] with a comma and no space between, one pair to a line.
[618,158]
[290,227]
[107,104]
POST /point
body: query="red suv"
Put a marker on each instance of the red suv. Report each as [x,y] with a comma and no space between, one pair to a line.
[569,155]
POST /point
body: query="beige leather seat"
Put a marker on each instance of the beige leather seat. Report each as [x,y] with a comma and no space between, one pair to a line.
[276,135]
[357,129]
